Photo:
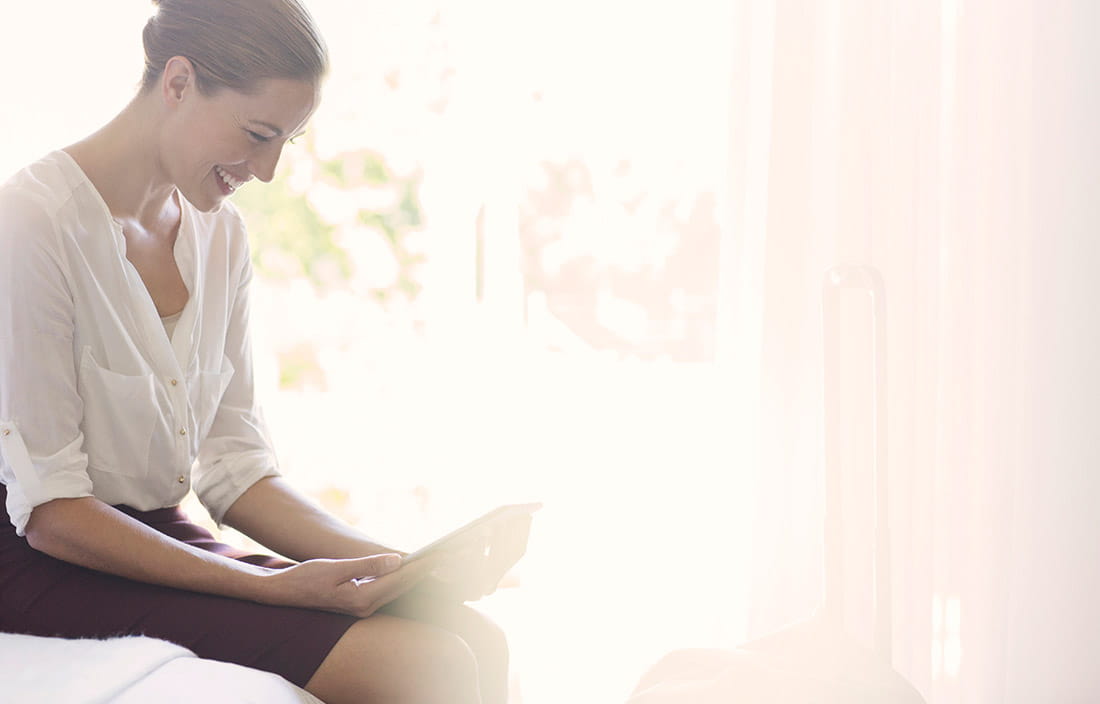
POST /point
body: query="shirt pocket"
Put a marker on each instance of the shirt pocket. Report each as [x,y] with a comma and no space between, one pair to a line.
[207,389]
[120,413]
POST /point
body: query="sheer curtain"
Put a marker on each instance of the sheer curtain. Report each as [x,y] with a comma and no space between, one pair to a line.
[951,145]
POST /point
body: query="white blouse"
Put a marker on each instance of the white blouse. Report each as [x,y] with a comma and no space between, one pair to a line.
[95,398]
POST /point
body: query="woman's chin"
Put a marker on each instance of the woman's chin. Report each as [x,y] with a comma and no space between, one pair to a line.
[204,200]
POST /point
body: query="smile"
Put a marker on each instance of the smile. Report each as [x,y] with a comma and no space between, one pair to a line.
[231,181]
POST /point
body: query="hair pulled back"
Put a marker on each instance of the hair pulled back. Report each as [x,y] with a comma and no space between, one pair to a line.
[234,43]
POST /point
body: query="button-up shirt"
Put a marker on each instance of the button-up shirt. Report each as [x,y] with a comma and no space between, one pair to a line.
[95,398]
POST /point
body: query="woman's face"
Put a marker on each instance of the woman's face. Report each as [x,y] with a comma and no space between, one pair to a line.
[214,144]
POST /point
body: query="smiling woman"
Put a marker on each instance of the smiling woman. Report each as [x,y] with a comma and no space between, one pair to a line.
[220,140]
[257,75]
[129,363]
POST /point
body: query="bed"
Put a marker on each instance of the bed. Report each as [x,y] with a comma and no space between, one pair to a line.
[129,670]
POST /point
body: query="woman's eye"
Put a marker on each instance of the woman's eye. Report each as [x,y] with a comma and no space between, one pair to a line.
[258,137]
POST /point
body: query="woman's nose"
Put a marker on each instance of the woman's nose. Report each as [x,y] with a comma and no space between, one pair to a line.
[264,163]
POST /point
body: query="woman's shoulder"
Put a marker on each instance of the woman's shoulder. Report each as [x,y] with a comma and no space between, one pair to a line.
[50,205]
[29,201]
[33,211]
[36,193]
[52,174]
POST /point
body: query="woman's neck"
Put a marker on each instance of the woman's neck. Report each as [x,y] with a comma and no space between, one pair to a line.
[122,161]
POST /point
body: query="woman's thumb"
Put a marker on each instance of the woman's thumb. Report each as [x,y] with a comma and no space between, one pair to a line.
[373,566]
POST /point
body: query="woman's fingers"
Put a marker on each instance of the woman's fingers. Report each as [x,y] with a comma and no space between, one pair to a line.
[368,567]
[355,586]
[507,547]
[363,585]
[463,571]
[475,570]
[372,594]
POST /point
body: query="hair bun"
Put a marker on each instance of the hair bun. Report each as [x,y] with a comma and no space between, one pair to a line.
[281,42]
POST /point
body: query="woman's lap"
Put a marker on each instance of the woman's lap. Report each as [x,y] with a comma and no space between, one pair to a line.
[40,595]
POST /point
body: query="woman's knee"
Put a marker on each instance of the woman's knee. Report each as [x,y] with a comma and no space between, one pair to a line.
[482,634]
[388,659]
[446,657]
[490,647]
[485,638]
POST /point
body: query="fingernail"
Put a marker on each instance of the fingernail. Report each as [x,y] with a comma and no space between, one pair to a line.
[391,562]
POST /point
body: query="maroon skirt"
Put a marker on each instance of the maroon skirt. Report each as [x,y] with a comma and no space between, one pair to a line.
[40,595]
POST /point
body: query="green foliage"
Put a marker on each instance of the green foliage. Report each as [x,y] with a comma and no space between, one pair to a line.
[354,169]
[290,239]
[393,223]
[282,221]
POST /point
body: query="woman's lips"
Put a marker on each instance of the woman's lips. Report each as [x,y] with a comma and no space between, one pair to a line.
[227,181]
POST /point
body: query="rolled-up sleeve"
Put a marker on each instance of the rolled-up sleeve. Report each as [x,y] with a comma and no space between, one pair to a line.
[40,409]
[237,451]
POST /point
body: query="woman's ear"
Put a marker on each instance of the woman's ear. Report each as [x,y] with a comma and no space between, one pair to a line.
[178,80]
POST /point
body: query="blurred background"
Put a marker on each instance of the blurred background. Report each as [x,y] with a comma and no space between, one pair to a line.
[573,252]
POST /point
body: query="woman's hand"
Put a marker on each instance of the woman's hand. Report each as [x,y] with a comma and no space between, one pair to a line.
[357,587]
[475,570]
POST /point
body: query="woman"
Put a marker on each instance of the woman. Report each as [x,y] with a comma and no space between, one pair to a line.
[124,358]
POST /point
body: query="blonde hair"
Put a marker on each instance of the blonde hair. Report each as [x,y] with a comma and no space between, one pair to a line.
[234,43]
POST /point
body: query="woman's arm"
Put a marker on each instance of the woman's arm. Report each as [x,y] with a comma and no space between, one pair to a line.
[87,532]
[273,513]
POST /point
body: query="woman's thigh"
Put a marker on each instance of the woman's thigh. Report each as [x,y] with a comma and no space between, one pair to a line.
[40,595]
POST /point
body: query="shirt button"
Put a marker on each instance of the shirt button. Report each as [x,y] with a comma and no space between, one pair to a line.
[173,382]
[183,431]
[181,479]
[6,432]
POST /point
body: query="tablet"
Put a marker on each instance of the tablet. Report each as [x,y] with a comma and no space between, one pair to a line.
[500,513]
